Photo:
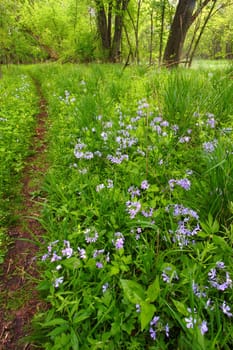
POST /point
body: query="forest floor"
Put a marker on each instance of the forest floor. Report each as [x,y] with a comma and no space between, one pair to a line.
[19,300]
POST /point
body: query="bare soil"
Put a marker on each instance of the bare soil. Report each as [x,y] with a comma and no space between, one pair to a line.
[19,300]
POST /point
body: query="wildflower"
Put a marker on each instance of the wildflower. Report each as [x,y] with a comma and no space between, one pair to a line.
[45,256]
[67,252]
[211,122]
[164,123]
[145,185]
[184,183]
[118,159]
[147,214]
[138,308]
[98,252]
[119,242]
[105,287]
[90,236]
[226,309]
[167,329]
[133,208]
[55,257]
[99,265]
[209,146]
[203,327]
[58,267]
[154,320]
[110,184]
[152,333]
[98,153]
[196,290]
[134,191]
[99,187]
[82,253]
[153,324]
[216,276]
[83,171]
[58,281]
[88,155]
[190,322]
[104,136]
[184,139]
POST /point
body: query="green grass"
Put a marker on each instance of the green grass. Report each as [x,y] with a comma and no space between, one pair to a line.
[133,215]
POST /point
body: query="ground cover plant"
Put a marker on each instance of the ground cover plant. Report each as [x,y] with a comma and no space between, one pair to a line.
[18,105]
[138,216]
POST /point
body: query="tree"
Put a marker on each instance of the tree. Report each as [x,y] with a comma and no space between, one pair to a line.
[183,19]
[111,44]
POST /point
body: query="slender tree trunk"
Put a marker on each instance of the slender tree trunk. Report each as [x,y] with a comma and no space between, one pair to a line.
[151,36]
[163,6]
[201,32]
[121,7]
[136,33]
[103,28]
[179,28]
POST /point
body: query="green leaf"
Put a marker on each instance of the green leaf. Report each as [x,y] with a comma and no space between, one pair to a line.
[72,263]
[180,307]
[147,312]
[133,291]
[74,340]
[81,316]
[114,270]
[58,330]
[153,291]
[55,322]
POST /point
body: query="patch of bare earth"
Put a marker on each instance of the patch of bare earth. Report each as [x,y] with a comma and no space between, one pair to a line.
[19,300]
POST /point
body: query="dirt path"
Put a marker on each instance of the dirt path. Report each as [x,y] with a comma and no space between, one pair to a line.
[18,298]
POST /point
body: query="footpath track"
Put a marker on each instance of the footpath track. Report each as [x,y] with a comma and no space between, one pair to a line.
[19,300]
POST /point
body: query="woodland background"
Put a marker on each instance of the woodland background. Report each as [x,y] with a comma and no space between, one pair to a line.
[141,31]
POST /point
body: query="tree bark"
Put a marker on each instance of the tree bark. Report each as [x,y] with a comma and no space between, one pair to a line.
[111,46]
[179,28]
[103,28]
[121,7]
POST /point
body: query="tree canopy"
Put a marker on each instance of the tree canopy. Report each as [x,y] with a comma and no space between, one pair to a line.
[147,31]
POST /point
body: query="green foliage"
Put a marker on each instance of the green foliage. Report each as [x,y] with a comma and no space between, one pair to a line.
[126,258]
[18,107]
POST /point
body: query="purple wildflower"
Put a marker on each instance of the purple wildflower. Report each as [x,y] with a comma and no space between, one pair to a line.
[105,287]
[58,281]
[82,253]
[203,327]
[99,187]
[167,329]
[119,242]
[91,236]
[145,185]
[98,252]
[147,214]
[184,183]
[55,257]
[226,309]
[184,139]
[133,208]
[210,146]
[99,265]
[138,308]
[190,322]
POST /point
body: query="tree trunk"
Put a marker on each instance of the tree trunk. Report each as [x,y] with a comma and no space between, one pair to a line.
[179,28]
[103,27]
[121,7]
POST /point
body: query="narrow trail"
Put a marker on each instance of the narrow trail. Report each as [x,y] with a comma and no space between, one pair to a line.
[19,300]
